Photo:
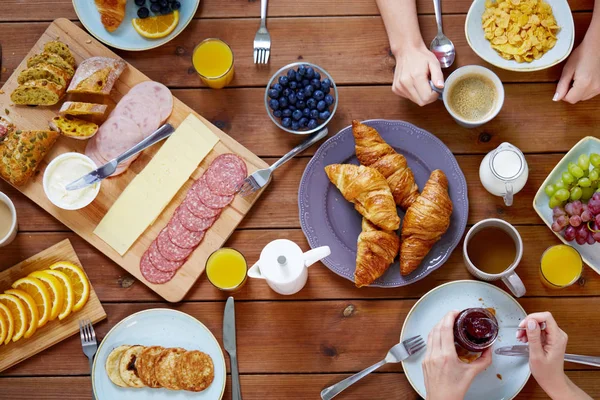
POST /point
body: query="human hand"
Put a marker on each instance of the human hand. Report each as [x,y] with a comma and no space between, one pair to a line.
[581,68]
[415,66]
[446,376]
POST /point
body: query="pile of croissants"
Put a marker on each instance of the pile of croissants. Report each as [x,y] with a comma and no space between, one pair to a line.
[382,181]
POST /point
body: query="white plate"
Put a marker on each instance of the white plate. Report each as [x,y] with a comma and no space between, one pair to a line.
[125,37]
[158,327]
[480,45]
[587,145]
[458,295]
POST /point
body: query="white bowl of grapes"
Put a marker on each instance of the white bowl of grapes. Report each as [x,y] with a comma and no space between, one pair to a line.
[569,200]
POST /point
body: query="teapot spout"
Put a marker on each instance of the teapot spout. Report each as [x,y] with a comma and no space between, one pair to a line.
[254,272]
[314,255]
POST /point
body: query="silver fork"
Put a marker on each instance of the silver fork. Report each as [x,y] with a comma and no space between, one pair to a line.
[398,353]
[261,177]
[88,342]
[262,40]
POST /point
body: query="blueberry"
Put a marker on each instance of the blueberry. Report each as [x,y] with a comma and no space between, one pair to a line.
[326,90]
[326,83]
[175,5]
[287,122]
[273,93]
[293,84]
[312,124]
[286,92]
[319,95]
[300,94]
[143,12]
[274,104]
[298,78]
[277,113]
[292,108]
[140,2]
[303,122]
[311,103]
[310,73]
[292,98]
[316,83]
[321,105]
[306,112]
[283,80]
[301,104]
[277,87]
[314,114]
[286,112]
[155,8]
[305,82]
[309,90]
[163,3]
[295,125]
[302,70]
[296,115]
[324,115]
[329,99]
[283,102]
[291,74]
[317,75]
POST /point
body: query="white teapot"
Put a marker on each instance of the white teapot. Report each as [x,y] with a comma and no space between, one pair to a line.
[284,266]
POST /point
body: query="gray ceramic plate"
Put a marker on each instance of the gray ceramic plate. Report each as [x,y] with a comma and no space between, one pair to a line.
[327,219]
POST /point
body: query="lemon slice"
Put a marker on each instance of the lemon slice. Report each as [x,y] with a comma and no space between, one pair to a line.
[37,290]
[19,313]
[32,311]
[80,283]
[4,310]
[68,302]
[55,289]
[156,27]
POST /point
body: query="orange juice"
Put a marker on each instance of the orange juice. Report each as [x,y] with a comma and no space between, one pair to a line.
[226,269]
[213,60]
[560,267]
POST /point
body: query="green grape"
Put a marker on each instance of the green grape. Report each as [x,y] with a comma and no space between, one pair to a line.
[587,193]
[550,189]
[577,172]
[562,194]
[598,190]
[567,178]
[585,182]
[595,159]
[570,167]
[554,202]
[576,193]
[583,161]
[594,174]
[560,185]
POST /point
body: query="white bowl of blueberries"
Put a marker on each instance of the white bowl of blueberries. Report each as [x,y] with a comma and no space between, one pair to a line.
[301,98]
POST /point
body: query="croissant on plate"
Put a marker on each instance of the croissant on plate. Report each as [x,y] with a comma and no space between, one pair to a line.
[368,190]
[374,152]
[112,13]
[375,252]
[425,222]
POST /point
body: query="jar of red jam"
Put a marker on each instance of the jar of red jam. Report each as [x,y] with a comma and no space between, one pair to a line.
[475,329]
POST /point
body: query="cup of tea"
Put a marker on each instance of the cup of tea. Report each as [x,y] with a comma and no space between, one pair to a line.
[497,262]
[473,95]
[8,220]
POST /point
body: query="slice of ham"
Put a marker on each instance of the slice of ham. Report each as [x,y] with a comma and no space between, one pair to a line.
[141,109]
[157,91]
[117,135]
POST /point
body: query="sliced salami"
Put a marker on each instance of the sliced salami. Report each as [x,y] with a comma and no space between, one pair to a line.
[116,135]
[160,262]
[226,174]
[191,222]
[209,198]
[152,274]
[169,250]
[183,237]
[157,91]
[141,109]
[198,208]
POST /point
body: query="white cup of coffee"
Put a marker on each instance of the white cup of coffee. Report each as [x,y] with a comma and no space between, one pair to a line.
[473,95]
[498,261]
[8,220]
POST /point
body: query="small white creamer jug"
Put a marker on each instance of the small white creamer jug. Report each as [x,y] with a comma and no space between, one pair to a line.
[504,172]
[284,266]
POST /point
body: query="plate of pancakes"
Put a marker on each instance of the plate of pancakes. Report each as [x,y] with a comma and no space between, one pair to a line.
[159,354]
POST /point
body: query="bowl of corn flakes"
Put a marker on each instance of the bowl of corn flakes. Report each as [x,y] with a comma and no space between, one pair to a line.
[520,35]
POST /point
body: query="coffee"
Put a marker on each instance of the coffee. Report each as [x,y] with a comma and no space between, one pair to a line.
[492,250]
[6,219]
[472,97]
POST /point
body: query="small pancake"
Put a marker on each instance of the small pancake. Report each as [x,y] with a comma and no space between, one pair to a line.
[112,365]
[127,368]
[145,365]
[164,369]
[195,371]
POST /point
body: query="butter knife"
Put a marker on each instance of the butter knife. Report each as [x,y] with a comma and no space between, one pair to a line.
[523,351]
[229,342]
[109,168]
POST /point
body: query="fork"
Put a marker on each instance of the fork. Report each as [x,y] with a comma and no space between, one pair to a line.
[260,178]
[398,353]
[262,40]
[88,342]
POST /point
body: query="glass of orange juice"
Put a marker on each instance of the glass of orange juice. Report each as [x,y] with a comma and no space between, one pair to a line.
[227,269]
[213,60]
[561,266]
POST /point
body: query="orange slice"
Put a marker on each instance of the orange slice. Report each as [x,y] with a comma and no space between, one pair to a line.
[5,311]
[37,290]
[65,282]
[80,283]
[55,289]
[19,313]
[156,27]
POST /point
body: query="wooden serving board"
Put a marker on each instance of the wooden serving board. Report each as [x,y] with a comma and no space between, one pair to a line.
[54,331]
[83,222]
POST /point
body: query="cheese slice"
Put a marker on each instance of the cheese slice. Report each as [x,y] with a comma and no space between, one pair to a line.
[152,190]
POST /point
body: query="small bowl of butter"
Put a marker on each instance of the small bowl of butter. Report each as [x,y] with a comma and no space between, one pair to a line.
[63,170]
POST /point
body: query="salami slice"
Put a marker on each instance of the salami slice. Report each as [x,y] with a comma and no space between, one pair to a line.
[183,237]
[116,135]
[226,174]
[151,274]
[169,250]
[142,110]
[157,91]
[191,222]
[198,208]
[160,262]
[209,198]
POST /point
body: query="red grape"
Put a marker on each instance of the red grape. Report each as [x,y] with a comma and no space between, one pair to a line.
[598,220]
[575,221]
[557,212]
[577,207]
[586,216]
[569,209]
[596,237]
[570,233]
[594,206]
[590,239]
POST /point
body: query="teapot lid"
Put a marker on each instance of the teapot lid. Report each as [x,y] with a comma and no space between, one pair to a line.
[281,261]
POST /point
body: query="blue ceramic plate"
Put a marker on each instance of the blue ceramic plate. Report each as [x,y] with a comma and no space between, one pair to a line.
[125,37]
[327,219]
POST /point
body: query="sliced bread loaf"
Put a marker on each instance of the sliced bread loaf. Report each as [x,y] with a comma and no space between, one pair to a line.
[40,92]
[61,49]
[96,75]
[84,109]
[73,127]
[44,71]
[51,58]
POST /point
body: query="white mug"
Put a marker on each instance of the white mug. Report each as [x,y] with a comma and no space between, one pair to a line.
[508,276]
[12,233]
[470,69]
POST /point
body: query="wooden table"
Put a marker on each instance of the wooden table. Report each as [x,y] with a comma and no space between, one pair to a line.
[292,347]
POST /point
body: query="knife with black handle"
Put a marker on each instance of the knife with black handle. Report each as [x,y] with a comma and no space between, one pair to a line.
[229,343]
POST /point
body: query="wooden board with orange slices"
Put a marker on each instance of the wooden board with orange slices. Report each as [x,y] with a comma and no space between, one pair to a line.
[42,300]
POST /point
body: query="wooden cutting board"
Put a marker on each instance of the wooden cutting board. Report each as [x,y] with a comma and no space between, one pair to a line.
[54,331]
[84,221]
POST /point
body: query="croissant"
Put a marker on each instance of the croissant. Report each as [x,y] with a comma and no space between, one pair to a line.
[376,251]
[374,152]
[112,13]
[368,190]
[425,222]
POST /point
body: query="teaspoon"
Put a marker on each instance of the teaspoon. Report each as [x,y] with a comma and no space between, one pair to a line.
[441,46]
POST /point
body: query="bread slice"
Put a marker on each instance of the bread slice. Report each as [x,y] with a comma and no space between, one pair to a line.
[51,58]
[61,49]
[73,127]
[96,75]
[39,92]
[83,109]
[44,71]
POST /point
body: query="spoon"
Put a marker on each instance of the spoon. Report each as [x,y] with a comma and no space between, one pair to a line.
[542,325]
[441,46]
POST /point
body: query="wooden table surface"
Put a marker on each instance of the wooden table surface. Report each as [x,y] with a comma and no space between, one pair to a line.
[293,347]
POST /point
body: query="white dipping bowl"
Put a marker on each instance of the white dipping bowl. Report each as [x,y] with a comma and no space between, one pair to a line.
[482,47]
[50,169]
